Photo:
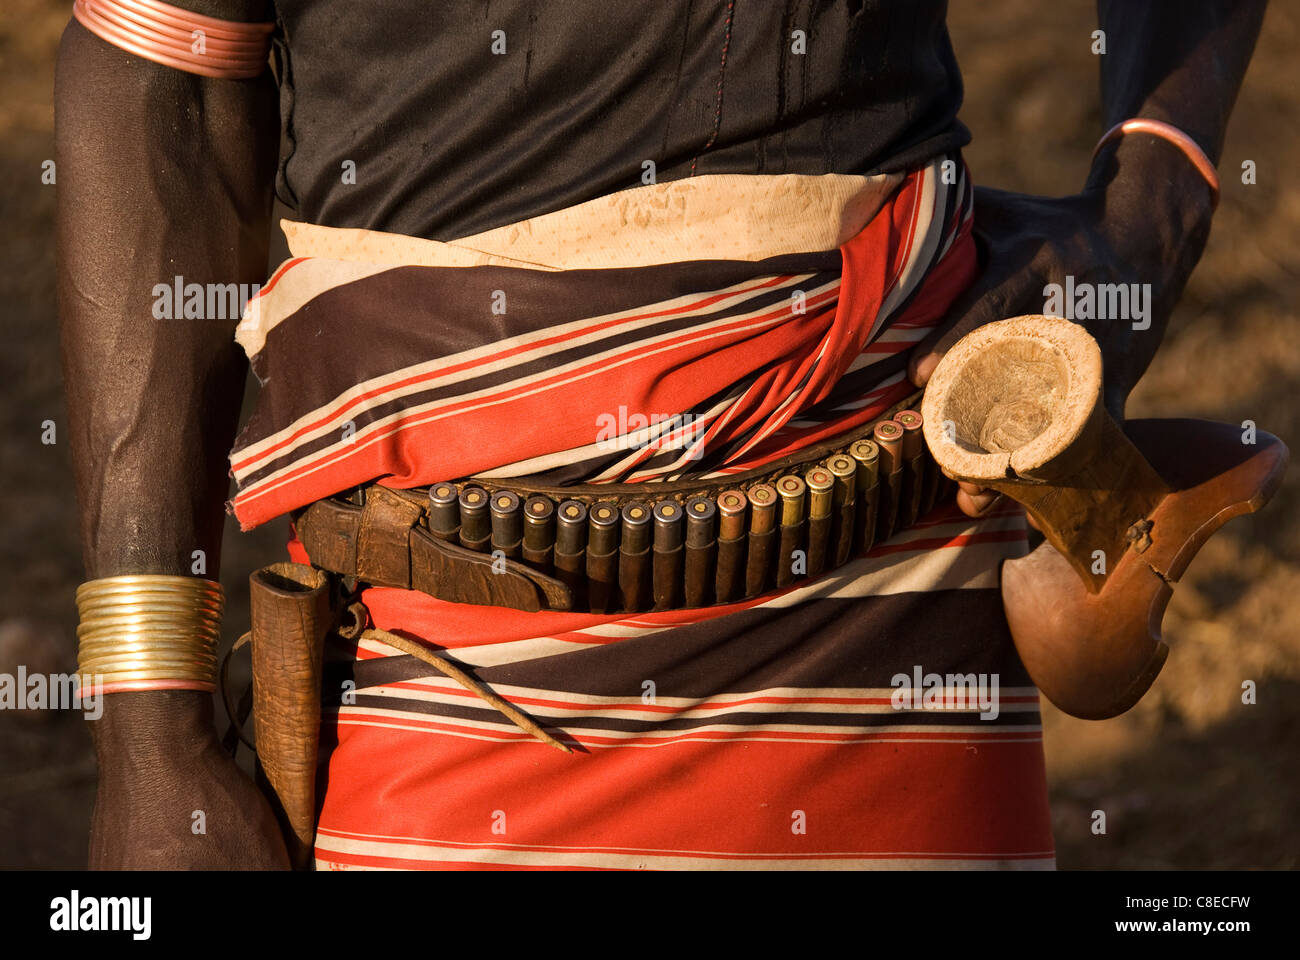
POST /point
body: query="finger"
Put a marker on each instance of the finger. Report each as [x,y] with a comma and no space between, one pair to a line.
[974,501]
[992,297]
[976,505]
[967,312]
[1003,285]
[966,485]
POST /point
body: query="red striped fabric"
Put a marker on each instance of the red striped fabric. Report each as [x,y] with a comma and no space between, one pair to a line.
[767,739]
[765,734]
[744,360]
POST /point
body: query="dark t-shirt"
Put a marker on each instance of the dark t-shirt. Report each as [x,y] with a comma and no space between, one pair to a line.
[462,116]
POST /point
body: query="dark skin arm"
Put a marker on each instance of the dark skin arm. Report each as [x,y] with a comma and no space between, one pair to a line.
[161,173]
[1144,214]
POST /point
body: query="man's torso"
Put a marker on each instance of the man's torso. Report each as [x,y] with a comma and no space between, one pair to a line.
[444,120]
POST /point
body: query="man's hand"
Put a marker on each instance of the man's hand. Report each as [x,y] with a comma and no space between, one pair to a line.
[1118,234]
[1144,215]
[1030,242]
[169,796]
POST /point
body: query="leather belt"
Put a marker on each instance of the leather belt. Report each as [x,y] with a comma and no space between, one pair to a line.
[630,547]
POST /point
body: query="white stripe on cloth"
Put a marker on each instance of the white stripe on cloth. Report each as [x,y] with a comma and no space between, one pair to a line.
[479,360]
[963,561]
[502,730]
[633,858]
[380,430]
[557,703]
[727,216]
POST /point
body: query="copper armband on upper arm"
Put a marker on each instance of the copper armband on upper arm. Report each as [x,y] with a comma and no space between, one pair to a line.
[207,46]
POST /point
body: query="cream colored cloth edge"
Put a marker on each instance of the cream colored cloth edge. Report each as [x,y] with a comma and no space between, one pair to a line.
[713,217]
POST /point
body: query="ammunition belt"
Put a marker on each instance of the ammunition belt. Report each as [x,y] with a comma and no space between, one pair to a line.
[610,548]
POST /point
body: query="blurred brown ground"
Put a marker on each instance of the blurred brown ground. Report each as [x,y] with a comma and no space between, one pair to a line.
[1191,778]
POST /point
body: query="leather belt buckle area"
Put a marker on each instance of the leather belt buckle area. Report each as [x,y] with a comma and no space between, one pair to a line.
[610,548]
[386,544]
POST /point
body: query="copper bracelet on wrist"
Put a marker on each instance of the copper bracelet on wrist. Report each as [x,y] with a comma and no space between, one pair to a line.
[1170,133]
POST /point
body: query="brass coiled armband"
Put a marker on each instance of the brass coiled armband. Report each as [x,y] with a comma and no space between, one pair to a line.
[148,632]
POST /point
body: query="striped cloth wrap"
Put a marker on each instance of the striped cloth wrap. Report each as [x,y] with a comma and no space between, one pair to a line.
[875,717]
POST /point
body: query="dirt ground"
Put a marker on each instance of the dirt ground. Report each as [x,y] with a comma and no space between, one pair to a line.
[1191,778]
